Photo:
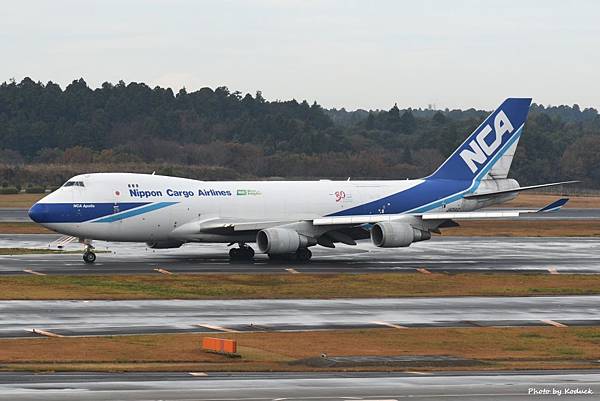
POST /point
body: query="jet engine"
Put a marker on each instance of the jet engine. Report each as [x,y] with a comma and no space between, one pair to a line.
[394,235]
[164,244]
[281,240]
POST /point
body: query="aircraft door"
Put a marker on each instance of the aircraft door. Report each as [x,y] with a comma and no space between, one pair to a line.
[116,226]
[77,197]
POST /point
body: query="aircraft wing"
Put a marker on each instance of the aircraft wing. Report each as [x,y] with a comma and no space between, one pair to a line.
[429,221]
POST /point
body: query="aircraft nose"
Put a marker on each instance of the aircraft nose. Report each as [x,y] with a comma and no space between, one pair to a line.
[39,213]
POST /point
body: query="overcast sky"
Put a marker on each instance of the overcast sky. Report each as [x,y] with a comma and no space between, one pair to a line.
[353,54]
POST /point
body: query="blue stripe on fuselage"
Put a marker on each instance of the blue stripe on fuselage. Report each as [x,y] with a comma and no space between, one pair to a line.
[135,212]
[77,212]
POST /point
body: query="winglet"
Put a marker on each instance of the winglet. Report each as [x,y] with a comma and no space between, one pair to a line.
[554,206]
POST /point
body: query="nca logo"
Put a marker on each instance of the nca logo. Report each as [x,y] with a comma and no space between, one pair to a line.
[480,148]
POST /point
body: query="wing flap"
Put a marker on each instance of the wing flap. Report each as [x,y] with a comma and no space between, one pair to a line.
[356,220]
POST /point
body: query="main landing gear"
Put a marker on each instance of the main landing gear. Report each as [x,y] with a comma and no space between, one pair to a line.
[244,252]
[88,254]
[301,255]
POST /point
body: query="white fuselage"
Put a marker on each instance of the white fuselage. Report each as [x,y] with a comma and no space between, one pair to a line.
[149,208]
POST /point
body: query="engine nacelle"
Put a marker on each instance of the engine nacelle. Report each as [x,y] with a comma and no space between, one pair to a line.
[394,235]
[281,240]
[164,244]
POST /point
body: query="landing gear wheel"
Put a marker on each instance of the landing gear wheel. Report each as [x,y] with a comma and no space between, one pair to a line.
[303,254]
[89,257]
[242,253]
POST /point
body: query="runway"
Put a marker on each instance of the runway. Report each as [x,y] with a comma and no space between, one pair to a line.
[301,386]
[20,214]
[171,316]
[440,254]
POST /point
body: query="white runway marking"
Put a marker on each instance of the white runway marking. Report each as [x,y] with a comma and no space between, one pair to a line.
[553,323]
[218,328]
[45,333]
[34,272]
[163,271]
[395,326]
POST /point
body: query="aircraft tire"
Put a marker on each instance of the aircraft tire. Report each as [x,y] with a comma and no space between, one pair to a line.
[303,254]
[245,253]
[89,257]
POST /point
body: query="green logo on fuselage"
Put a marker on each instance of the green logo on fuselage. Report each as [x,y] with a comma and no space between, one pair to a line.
[242,192]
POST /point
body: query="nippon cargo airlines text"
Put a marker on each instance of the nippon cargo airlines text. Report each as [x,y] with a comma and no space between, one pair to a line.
[140,193]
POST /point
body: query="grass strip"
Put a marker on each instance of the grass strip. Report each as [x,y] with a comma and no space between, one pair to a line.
[288,286]
[494,348]
[23,228]
[34,251]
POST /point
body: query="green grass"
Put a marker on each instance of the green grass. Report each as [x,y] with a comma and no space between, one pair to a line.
[494,347]
[30,251]
[286,286]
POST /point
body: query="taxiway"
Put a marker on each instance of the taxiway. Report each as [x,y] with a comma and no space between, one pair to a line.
[440,254]
[300,386]
[94,317]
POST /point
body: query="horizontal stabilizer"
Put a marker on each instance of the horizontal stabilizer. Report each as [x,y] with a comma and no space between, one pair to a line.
[554,206]
[508,191]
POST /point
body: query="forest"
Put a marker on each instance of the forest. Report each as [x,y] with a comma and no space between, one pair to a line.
[48,134]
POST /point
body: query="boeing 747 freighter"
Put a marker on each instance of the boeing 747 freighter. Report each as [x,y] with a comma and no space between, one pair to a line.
[286,218]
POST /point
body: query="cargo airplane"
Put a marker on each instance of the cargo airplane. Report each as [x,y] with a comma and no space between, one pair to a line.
[286,218]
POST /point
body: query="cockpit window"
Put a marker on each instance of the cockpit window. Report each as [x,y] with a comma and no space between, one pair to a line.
[74,184]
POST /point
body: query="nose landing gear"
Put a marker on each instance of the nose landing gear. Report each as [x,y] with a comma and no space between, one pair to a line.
[89,257]
[88,254]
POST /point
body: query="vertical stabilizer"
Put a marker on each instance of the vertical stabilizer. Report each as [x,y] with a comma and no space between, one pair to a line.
[491,147]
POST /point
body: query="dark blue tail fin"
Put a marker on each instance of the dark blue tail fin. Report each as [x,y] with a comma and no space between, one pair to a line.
[476,156]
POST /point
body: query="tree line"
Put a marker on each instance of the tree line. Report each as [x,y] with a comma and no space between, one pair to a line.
[48,133]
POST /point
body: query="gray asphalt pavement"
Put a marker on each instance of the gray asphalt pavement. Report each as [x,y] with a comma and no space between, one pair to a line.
[155,316]
[535,385]
[440,254]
